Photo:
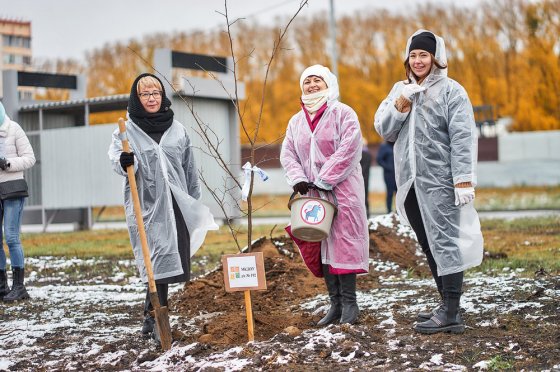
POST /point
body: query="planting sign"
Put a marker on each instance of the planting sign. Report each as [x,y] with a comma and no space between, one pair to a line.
[244,271]
[312,212]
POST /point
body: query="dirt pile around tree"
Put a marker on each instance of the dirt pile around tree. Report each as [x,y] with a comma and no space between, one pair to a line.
[289,284]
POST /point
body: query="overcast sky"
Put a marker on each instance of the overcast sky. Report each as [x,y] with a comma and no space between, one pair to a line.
[69,28]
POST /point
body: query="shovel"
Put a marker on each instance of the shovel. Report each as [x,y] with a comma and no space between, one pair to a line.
[163,329]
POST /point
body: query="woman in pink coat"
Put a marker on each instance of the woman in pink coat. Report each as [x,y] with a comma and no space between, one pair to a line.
[323,146]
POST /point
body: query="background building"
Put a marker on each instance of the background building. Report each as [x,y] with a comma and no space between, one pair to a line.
[73,174]
[15,51]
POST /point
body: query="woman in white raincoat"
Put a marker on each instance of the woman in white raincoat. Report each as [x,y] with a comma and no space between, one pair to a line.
[323,146]
[175,221]
[431,119]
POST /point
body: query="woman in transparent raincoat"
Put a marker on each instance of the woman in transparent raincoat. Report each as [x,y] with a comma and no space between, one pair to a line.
[431,119]
[175,221]
[323,145]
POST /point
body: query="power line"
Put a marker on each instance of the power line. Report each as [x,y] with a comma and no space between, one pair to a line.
[258,12]
[270,8]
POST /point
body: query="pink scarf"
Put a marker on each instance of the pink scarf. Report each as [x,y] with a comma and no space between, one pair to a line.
[313,122]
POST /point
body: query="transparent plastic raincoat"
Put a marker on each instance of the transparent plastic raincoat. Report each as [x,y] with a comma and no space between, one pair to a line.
[436,148]
[331,156]
[160,171]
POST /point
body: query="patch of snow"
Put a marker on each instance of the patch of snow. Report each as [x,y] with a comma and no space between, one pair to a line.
[390,321]
[487,323]
[483,364]
[436,359]
[512,346]
[5,364]
[338,358]
[323,337]
[95,349]
[283,359]
[387,221]
[112,358]
[383,266]
[383,220]
[393,345]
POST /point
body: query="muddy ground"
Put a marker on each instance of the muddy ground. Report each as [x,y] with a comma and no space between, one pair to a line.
[86,315]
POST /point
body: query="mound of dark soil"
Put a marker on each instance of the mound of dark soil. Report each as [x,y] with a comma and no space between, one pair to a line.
[289,283]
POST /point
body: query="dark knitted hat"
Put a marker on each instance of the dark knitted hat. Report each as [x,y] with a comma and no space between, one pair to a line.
[424,41]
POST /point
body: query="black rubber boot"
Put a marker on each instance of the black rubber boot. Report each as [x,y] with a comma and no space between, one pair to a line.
[335,311]
[18,291]
[4,289]
[350,310]
[426,315]
[448,318]
[149,323]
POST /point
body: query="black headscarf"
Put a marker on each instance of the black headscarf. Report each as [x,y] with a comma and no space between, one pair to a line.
[157,122]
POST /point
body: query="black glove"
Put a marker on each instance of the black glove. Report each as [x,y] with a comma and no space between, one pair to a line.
[4,164]
[302,188]
[127,159]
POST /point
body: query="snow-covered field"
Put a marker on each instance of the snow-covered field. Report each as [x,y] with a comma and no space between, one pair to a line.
[93,323]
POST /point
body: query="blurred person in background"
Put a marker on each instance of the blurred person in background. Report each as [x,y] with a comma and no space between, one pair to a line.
[16,155]
[365,162]
[323,146]
[430,118]
[386,160]
[168,187]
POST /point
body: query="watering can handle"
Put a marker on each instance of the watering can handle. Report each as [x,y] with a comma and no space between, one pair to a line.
[311,185]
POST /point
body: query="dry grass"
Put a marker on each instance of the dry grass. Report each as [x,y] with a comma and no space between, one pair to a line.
[529,243]
[513,198]
[116,243]
[519,197]
[107,243]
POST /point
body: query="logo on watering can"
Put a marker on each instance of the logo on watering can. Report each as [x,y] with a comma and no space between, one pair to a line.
[312,212]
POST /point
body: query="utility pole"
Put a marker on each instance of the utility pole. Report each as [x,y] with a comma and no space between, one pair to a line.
[334,53]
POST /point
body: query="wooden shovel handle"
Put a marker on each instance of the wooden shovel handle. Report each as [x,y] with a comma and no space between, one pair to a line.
[138,214]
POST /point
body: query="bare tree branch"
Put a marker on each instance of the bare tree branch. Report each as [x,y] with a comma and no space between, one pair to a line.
[220,203]
[213,142]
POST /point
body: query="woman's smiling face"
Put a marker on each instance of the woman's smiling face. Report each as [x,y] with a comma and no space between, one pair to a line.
[313,84]
[420,62]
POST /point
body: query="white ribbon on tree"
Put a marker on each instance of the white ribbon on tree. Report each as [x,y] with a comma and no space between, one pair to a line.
[247,168]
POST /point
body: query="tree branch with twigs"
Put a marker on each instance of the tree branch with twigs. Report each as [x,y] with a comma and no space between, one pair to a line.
[253,138]
[212,141]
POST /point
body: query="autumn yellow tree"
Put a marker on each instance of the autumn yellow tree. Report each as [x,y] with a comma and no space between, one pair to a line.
[504,52]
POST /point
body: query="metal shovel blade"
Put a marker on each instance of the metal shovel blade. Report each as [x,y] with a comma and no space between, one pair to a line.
[163,329]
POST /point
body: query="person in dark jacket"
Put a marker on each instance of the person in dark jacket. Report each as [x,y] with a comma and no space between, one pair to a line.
[386,161]
[365,162]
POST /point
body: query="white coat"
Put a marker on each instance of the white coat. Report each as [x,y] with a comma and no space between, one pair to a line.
[15,147]
[161,170]
[436,148]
